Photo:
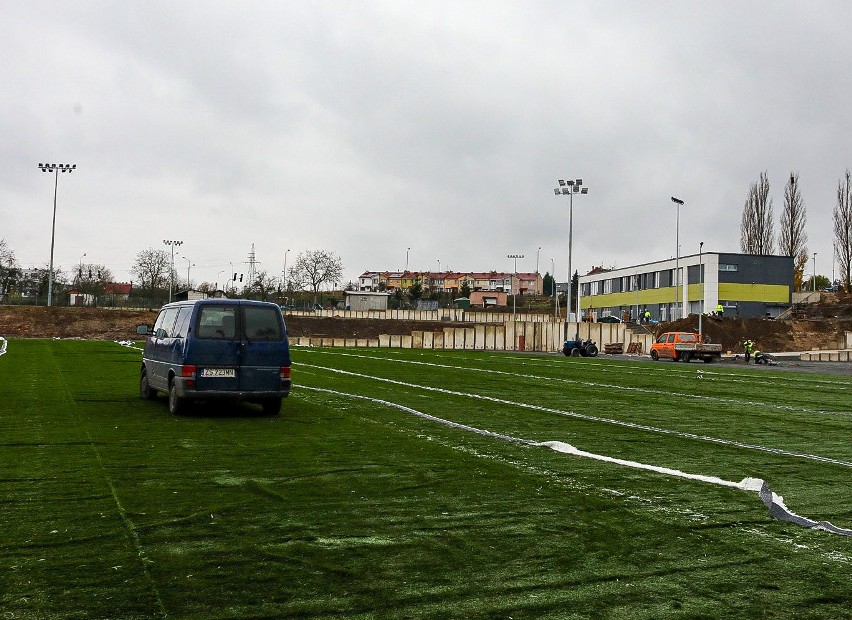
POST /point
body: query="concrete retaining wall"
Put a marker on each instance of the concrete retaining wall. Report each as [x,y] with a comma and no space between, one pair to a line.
[508,336]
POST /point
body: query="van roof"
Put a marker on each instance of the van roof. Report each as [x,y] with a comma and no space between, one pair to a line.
[219,301]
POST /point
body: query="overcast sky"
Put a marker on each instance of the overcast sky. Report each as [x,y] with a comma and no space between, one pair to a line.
[367,128]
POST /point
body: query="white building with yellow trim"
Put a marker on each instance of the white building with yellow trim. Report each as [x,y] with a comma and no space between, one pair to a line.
[745,285]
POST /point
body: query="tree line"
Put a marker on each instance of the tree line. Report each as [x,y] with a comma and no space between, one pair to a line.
[154,276]
[757,234]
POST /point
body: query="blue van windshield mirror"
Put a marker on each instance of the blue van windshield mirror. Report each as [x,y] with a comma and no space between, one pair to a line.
[143,330]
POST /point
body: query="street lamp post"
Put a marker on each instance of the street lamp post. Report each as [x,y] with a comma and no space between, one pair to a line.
[555,293]
[285,268]
[188,265]
[514,284]
[55,169]
[570,188]
[676,309]
[407,250]
[701,280]
[172,244]
[814,278]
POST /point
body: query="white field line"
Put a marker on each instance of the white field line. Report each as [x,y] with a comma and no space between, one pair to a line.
[774,502]
[2,345]
[590,418]
[720,399]
[746,377]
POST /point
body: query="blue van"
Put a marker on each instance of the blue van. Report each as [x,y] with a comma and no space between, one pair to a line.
[217,349]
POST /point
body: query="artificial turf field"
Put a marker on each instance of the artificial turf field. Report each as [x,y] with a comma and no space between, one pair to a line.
[351,504]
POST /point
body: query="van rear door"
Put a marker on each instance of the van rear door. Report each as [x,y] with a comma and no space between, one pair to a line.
[265,349]
[215,350]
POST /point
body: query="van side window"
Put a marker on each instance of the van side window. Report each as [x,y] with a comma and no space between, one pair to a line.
[261,323]
[182,322]
[217,322]
[167,326]
[670,338]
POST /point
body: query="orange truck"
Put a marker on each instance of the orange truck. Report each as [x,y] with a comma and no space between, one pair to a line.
[684,346]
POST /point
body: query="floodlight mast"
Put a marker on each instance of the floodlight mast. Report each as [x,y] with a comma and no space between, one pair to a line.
[570,188]
[172,268]
[55,169]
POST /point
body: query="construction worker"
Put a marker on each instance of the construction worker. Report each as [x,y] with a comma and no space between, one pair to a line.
[748,345]
[647,315]
[720,310]
[760,358]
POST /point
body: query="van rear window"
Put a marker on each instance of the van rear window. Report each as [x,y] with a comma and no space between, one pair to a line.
[217,322]
[261,323]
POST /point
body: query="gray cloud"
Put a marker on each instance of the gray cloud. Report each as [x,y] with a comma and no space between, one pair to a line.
[368,128]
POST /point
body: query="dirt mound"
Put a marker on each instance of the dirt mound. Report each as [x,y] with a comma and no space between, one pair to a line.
[60,322]
[114,324]
[768,335]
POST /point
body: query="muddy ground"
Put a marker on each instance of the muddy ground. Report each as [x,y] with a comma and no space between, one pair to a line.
[820,328]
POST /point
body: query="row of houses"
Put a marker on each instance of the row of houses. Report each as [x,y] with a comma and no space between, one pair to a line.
[452,281]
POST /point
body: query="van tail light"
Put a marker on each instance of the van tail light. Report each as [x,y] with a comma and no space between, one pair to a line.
[285,372]
[188,371]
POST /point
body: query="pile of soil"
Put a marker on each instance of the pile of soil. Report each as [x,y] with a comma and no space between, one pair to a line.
[768,335]
[815,331]
[79,322]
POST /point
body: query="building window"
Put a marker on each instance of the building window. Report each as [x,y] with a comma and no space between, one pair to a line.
[727,267]
[607,286]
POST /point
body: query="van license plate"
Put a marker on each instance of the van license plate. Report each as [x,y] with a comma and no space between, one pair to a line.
[218,372]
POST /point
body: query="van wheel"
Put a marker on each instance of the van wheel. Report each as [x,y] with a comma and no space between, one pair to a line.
[177,405]
[655,356]
[686,357]
[272,406]
[145,389]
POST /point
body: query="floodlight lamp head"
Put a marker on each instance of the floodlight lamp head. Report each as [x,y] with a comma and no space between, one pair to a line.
[566,190]
[585,190]
[556,191]
[677,201]
[579,181]
[561,181]
[569,183]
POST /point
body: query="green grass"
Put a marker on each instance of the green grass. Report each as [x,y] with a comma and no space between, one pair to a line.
[345,507]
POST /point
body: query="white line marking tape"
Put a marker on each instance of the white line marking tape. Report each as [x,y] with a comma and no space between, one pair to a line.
[2,345]
[592,418]
[597,384]
[775,503]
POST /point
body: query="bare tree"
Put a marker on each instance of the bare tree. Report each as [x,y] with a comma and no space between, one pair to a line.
[843,228]
[314,268]
[756,233]
[152,269]
[792,236]
[263,287]
[9,271]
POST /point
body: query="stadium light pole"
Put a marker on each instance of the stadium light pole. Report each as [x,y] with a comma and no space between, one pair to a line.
[676,308]
[55,169]
[570,188]
[172,243]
